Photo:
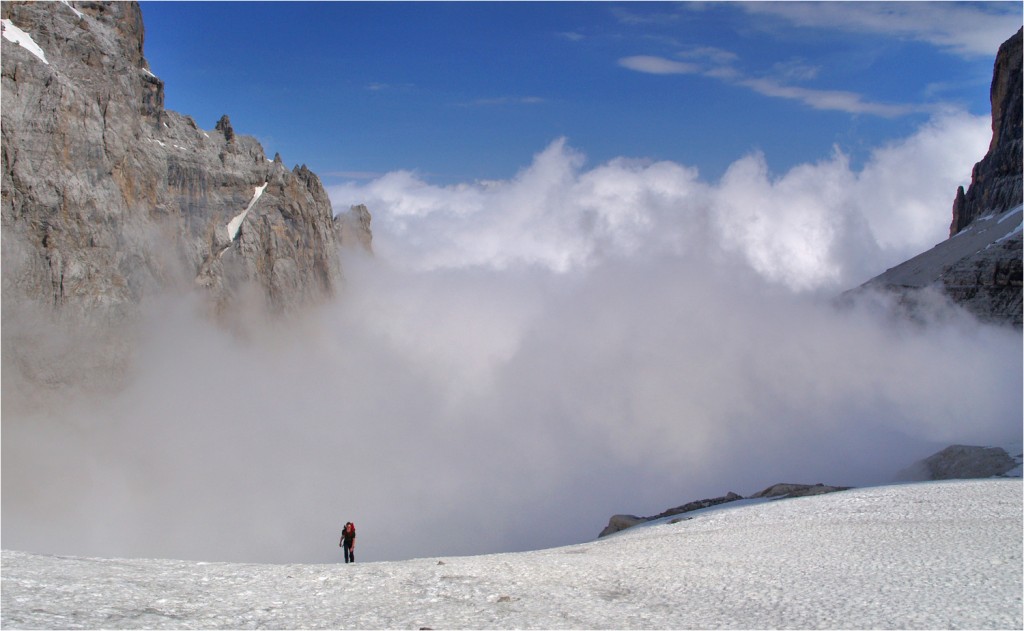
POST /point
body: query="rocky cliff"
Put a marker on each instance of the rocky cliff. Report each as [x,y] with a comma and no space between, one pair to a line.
[996,180]
[108,198]
[979,267]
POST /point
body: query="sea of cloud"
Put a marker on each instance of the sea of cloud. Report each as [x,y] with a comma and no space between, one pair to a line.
[821,225]
[520,359]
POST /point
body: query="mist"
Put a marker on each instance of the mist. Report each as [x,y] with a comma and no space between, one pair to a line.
[523,358]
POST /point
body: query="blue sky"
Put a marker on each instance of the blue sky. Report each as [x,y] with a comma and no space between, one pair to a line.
[460,92]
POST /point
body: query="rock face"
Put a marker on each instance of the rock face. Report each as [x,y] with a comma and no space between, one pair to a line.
[777,491]
[621,522]
[979,269]
[355,228]
[785,489]
[996,180]
[958,462]
[108,198]
[979,266]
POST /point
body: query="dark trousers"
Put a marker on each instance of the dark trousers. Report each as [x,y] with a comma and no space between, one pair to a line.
[350,555]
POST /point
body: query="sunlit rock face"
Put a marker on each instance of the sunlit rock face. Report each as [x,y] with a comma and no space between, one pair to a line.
[109,198]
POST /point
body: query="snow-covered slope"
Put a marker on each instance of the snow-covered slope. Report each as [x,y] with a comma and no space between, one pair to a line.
[929,555]
[979,268]
[927,268]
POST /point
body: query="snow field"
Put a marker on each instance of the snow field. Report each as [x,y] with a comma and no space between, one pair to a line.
[929,555]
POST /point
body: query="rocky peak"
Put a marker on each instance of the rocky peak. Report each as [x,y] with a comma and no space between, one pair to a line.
[354,228]
[996,180]
[224,127]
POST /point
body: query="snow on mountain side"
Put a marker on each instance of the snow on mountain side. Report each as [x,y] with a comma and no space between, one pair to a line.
[236,222]
[978,268]
[931,555]
[984,233]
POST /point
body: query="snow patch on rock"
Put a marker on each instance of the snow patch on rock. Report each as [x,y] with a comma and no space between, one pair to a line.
[14,34]
[235,225]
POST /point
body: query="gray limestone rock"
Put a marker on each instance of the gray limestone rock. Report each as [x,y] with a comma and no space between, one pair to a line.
[960,462]
[354,228]
[621,522]
[108,198]
[979,269]
[784,489]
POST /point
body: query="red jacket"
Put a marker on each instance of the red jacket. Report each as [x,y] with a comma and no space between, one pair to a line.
[348,534]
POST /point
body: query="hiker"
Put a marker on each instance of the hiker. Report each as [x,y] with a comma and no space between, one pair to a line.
[348,542]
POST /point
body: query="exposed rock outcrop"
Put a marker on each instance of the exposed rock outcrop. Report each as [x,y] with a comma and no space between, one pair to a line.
[979,267]
[354,228]
[784,490]
[955,462]
[961,462]
[996,180]
[618,523]
[108,198]
[621,522]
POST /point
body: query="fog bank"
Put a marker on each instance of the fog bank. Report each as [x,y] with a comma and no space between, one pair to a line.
[524,358]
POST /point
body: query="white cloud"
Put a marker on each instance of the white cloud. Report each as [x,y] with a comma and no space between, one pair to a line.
[508,100]
[967,29]
[551,214]
[821,225]
[721,69]
[786,228]
[837,100]
[796,70]
[658,65]
[710,53]
[899,188]
[970,30]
